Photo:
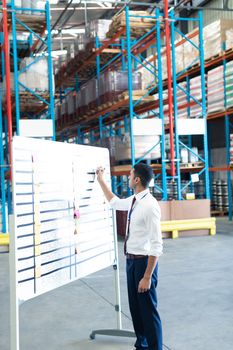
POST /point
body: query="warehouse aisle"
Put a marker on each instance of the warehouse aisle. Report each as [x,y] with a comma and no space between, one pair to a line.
[195,302]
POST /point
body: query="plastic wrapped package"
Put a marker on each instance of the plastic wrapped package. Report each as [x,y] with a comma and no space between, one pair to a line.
[38,5]
[196,93]
[83,100]
[147,71]
[93,94]
[214,35]
[71,102]
[58,111]
[121,81]
[182,109]
[106,87]
[27,5]
[99,27]
[81,42]
[229,38]
[78,103]
[229,84]
[142,145]
[215,88]
[231,148]
[179,52]
[191,53]
[37,73]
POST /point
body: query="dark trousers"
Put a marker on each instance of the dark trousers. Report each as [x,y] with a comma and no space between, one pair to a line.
[143,306]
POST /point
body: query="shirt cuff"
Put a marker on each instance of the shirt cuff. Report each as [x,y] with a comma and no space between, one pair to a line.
[113,201]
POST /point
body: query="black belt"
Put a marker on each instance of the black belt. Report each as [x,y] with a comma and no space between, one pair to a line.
[133,256]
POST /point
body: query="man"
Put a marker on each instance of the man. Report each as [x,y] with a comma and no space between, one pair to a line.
[143,246]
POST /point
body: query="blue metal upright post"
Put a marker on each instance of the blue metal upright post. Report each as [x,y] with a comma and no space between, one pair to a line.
[130,83]
[204,114]
[2,171]
[175,111]
[50,68]
[227,135]
[15,60]
[161,116]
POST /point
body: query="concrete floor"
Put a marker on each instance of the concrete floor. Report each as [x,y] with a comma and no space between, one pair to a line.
[195,302]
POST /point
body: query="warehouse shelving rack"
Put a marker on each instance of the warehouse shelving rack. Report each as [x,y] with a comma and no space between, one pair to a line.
[18,104]
[107,116]
[96,120]
[129,58]
[177,87]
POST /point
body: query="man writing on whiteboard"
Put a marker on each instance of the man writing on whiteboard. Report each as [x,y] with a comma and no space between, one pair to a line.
[143,246]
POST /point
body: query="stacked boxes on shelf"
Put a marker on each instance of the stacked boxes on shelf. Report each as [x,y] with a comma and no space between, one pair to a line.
[231,149]
[229,38]
[100,28]
[229,84]
[95,94]
[215,90]
[148,70]
[196,93]
[215,36]
[190,52]
[182,100]
[142,145]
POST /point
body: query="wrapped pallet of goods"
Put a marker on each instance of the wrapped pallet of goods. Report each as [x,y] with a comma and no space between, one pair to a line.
[215,90]
[148,71]
[99,27]
[229,84]
[231,149]
[179,50]
[214,35]
[229,38]
[138,25]
[93,94]
[142,145]
[182,100]
[196,93]
[71,104]
[191,53]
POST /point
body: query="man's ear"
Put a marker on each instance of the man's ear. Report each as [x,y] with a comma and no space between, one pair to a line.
[137,179]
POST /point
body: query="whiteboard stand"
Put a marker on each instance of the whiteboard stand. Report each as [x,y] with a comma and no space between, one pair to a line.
[14,302]
[118,332]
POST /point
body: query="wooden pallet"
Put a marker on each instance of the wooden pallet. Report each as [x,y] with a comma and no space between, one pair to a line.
[219,212]
[214,57]
[137,95]
[191,165]
[34,22]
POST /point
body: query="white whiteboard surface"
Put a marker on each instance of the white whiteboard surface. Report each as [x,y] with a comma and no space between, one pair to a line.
[51,182]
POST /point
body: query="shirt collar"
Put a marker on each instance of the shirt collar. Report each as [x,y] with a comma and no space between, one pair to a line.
[141,194]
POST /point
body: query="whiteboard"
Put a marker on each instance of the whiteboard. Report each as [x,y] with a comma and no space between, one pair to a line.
[63,226]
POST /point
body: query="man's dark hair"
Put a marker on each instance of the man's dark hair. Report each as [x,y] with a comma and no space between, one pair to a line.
[144,172]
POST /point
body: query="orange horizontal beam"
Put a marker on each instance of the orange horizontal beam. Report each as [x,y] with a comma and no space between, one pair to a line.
[221,168]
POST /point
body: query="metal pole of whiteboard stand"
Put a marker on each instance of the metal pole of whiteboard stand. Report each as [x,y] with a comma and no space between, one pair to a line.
[118,332]
[14,301]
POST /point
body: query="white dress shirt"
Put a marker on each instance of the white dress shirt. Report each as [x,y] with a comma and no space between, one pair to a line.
[145,237]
